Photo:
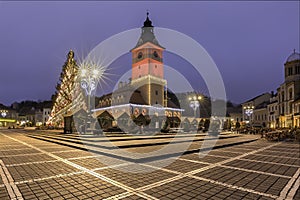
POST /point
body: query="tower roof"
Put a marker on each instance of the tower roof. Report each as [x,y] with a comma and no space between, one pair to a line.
[294,56]
[147,34]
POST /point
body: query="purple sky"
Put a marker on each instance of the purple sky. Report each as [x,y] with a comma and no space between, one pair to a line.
[249,41]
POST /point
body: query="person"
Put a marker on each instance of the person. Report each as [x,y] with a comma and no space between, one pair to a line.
[237,126]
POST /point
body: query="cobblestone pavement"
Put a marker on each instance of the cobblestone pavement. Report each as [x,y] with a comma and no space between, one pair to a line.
[48,165]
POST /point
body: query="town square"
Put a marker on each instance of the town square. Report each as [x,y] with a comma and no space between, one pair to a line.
[157,100]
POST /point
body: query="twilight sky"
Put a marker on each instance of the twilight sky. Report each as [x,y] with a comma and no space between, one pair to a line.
[249,41]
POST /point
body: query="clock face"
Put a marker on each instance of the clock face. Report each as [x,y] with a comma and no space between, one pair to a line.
[140,55]
[155,54]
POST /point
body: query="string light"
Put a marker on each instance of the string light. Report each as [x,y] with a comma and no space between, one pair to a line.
[137,105]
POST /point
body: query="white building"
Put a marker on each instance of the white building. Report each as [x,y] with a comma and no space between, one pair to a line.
[46,115]
[289,92]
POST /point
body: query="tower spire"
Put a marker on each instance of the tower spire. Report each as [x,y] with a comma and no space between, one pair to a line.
[148,22]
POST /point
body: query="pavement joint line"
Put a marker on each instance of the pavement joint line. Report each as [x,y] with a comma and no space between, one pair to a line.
[83,157]
[49,177]
[191,173]
[294,189]
[231,159]
[112,166]
[226,150]
[233,186]
[13,149]
[216,156]
[274,163]
[259,154]
[254,171]
[159,183]
[135,193]
[206,180]
[97,175]
[235,147]
[194,161]
[119,196]
[164,169]
[30,163]
[65,151]
[7,185]
[8,181]
[25,154]
[286,189]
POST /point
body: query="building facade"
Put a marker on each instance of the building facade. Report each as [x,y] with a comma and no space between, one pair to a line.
[250,107]
[273,113]
[280,110]
[8,116]
[289,92]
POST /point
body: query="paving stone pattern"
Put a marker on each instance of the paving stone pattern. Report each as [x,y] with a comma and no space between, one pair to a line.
[50,165]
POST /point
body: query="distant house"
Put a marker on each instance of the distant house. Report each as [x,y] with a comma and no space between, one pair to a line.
[8,116]
[254,107]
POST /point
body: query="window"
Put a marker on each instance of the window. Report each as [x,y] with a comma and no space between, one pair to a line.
[297,69]
[155,66]
[156,92]
[290,93]
[139,67]
[140,55]
[290,71]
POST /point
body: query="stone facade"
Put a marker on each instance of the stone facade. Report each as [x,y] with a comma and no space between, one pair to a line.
[289,92]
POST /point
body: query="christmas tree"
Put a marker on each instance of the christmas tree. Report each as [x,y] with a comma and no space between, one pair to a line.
[68,95]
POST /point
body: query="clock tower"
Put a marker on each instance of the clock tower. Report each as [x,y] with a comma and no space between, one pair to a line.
[147,66]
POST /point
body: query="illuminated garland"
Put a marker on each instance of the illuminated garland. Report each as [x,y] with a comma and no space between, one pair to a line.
[137,105]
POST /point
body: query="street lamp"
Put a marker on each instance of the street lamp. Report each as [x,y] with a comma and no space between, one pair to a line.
[90,74]
[3,113]
[248,111]
[195,103]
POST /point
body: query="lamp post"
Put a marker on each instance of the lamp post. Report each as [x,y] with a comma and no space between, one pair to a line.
[249,111]
[90,74]
[195,103]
